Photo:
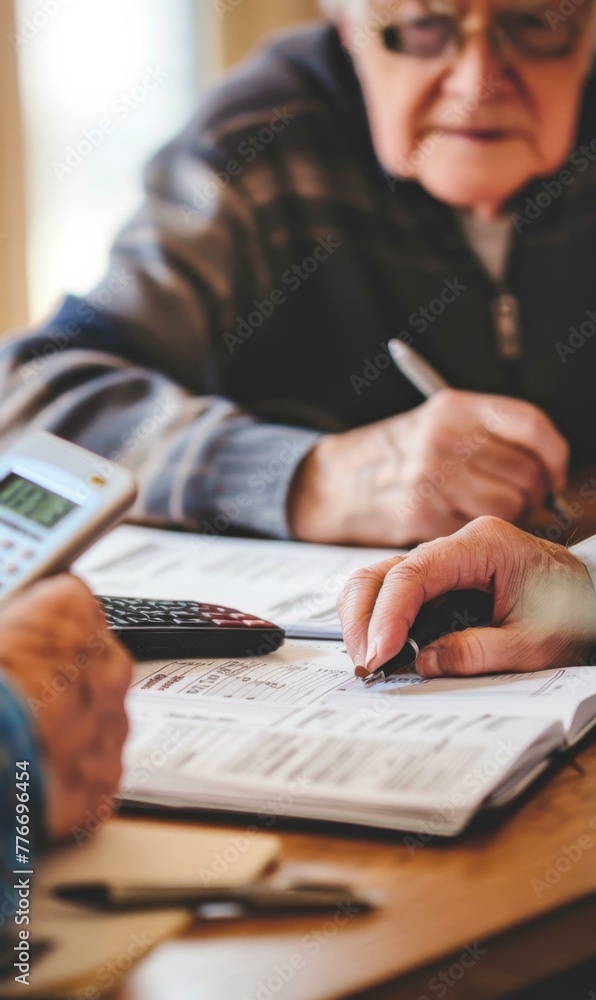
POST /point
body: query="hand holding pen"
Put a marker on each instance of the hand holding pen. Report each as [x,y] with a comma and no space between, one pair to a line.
[521,604]
[427,380]
[428,471]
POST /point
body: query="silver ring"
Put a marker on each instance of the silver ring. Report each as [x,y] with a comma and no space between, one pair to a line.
[414,646]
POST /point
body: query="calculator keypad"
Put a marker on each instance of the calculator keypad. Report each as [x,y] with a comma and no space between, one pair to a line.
[133,612]
[13,558]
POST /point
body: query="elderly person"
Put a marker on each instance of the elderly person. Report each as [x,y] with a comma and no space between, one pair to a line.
[421,169]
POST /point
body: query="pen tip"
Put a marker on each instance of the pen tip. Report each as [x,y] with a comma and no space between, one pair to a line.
[373,679]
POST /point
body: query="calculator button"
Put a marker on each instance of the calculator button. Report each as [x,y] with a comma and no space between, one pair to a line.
[28,554]
[192,619]
[7,543]
[228,623]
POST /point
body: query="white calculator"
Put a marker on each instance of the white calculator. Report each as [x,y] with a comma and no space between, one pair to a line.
[55,500]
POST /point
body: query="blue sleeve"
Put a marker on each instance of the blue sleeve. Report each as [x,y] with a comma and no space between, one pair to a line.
[17,745]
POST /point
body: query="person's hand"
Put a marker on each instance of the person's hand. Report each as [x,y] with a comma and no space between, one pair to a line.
[428,472]
[73,675]
[544,603]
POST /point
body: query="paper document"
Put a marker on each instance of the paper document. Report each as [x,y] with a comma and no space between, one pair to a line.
[288,583]
[297,734]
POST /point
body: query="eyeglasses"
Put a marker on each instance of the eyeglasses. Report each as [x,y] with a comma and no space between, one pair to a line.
[532,33]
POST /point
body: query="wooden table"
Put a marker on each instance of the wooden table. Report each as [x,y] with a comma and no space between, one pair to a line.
[510,902]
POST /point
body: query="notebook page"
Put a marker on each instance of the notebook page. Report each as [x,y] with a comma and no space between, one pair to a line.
[304,672]
[292,584]
[320,765]
[265,688]
[565,693]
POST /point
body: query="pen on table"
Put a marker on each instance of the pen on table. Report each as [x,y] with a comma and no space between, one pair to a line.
[256,898]
[427,380]
[452,612]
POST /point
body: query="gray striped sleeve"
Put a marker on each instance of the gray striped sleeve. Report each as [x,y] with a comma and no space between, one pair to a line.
[201,462]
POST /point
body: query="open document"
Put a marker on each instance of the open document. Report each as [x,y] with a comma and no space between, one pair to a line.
[291,584]
[295,734]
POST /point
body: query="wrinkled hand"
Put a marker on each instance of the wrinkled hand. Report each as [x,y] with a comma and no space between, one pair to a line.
[73,675]
[544,603]
[428,472]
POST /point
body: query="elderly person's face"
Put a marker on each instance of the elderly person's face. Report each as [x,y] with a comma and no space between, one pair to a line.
[472,99]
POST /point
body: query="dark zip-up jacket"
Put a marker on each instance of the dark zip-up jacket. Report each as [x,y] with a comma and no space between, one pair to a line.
[248,304]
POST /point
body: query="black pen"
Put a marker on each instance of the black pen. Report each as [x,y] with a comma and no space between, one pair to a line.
[452,612]
[259,897]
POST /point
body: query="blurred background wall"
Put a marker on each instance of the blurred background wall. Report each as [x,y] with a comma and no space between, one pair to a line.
[13,267]
[89,89]
[246,23]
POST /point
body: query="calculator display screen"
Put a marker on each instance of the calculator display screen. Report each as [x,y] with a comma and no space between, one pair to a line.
[33,502]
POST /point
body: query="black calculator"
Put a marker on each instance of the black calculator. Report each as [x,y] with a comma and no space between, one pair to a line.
[157,630]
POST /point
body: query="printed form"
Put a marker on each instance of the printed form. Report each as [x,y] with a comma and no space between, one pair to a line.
[233,733]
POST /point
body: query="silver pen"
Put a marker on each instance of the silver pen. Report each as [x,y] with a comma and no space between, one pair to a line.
[427,380]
